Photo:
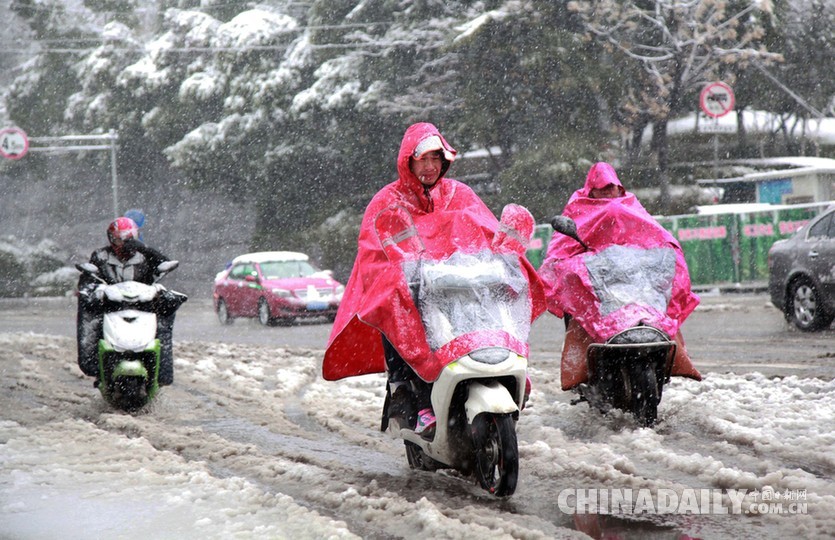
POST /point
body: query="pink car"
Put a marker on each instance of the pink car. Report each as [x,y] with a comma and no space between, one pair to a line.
[275,286]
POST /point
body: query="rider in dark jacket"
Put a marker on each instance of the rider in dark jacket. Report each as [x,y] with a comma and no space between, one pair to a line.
[125,258]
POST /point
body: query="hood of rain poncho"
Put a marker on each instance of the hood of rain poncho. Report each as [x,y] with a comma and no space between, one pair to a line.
[633,272]
[444,220]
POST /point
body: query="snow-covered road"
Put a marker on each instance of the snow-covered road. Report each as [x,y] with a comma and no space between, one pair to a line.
[250,442]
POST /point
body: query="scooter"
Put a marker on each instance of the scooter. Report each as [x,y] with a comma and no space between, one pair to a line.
[628,370]
[129,350]
[475,309]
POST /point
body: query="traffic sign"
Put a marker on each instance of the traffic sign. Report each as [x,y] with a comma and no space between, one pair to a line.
[13,143]
[716,99]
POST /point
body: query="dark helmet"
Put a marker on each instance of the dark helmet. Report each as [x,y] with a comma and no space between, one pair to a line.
[120,230]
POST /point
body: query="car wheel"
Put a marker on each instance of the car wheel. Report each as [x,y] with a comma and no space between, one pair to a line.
[264,315]
[805,307]
[223,313]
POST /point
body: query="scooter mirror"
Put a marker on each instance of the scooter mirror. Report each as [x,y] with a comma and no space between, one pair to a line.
[87,268]
[567,226]
[564,225]
[167,266]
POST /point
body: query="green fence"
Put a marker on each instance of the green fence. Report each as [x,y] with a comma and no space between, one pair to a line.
[539,244]
[721,248]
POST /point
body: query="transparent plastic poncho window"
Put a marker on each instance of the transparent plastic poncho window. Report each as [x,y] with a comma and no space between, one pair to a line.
[468,293]
[623,275]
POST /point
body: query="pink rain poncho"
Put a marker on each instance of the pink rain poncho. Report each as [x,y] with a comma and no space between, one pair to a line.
[633,272]
[447,219]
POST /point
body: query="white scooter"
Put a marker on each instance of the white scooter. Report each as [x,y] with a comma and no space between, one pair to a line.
[479,302]
[129,350]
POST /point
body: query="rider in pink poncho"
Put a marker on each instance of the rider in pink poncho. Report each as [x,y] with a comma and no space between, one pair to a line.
[378,326]
[607,215]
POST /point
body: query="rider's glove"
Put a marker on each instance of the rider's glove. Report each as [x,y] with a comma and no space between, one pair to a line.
[98,294]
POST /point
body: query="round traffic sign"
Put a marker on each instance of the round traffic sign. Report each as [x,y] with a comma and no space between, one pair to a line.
[716,99]
[13,143]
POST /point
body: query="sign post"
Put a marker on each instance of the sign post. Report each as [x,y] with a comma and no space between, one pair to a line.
[716,100]
[13,143]
[78,143]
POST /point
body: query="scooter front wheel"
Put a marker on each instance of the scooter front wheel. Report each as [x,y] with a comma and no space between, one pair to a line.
[129,393]
[496,453]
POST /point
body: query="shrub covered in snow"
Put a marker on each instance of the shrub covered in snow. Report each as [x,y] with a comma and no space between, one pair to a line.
[34,270]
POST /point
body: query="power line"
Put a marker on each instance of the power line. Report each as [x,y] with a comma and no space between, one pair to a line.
[227,49]
[296,29]
[213,7]
[104,41]
[800,101]
[282,47]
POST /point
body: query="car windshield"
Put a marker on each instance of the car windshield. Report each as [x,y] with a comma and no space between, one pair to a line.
[286,269]
[823,228]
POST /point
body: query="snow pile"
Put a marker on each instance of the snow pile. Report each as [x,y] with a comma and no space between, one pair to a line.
[250,442]
[72,472]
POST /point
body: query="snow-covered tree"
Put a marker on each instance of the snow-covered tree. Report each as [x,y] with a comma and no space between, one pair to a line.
[301,107]
[667,50]
[318,129]
[37,98]
[802,89]
[91,108]
[532,94]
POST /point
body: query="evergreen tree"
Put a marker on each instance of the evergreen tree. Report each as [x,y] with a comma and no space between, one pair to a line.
[38,97]
[533,94]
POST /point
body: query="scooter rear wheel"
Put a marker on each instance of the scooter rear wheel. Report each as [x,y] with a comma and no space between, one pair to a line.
[496,453]
[645,395]
[418,459]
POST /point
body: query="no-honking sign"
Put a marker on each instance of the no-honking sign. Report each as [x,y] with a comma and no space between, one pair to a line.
[717,99]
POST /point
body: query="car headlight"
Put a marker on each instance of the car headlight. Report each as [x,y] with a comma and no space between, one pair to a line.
[282,293]
[339,291]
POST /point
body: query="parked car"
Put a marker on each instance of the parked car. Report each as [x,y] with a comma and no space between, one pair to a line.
[802,274]
[275,286]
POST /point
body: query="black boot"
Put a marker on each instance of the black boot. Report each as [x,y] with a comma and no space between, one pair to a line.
[400,397]
[165,326]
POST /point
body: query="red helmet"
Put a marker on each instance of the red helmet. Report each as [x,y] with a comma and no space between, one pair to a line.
[118,231]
